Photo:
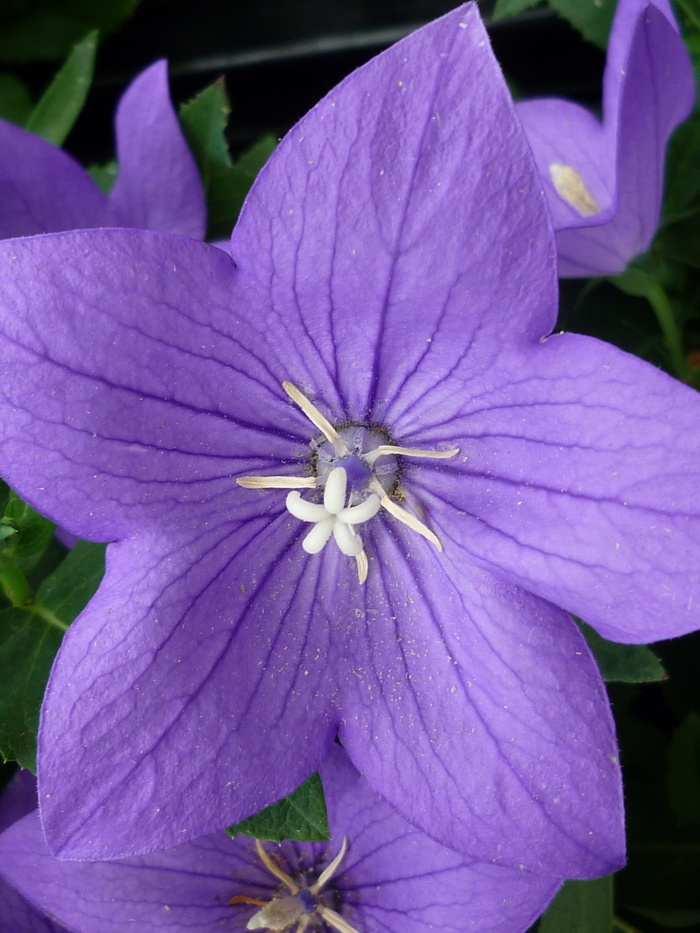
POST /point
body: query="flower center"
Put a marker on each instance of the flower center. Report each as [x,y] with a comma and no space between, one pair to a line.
[297,901]
[357,467]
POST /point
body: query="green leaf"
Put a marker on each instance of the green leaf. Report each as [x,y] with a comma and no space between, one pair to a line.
[683,775]
[61,103]
[301,816]
[581,907]
[34,533]
[105,175]
[15,100]
[66,592]
[592,18]
[204,120]
[47,30]
[506,8]
[29,640]
[626,664]
[28,646]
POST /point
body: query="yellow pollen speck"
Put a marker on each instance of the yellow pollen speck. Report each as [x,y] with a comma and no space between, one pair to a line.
[572,188]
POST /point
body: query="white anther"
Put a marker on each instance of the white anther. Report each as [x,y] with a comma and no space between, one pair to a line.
[316,539]
[356,514]
[334,493]
[347,540]
[303,510]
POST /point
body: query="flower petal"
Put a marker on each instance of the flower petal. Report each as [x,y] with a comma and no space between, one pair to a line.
[578,478]
[477,711]
[396,879]
[42,188]
[186,888]
[193,691]
[126,396]
[18,798]
[649,89]
[337,240]
[158,187]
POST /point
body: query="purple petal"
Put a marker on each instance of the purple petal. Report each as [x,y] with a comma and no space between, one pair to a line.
[200,671]
[649,89]
[18,798]
[337,240]
[397,880]
[578,479]
[17,915]
[159,187]
[181,890]
[480,714]
[121,386]
[392,879]
[42,189]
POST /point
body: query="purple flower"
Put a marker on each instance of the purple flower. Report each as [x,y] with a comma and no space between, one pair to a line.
[382,314]
[17,915]
[377,873]
[604,181]
[42,189]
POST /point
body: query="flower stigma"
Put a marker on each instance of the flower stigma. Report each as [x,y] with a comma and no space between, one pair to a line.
[296,901]
[357,467]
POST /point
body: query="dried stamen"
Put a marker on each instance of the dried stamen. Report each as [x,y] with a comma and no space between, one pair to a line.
[393,508]
[314,415]
[300,906]
[572,188]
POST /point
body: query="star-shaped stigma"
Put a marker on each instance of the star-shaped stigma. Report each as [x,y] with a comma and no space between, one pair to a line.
[303,905]
[355,486]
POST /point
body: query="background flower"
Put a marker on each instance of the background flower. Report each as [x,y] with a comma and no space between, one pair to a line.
[604,181]
[43,189]
[392,879]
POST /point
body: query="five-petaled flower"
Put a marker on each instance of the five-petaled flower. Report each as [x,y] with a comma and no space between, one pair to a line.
[376,874]
[604,181]
[43,189]
[393,271]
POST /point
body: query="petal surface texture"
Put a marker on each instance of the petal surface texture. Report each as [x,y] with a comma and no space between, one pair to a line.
[43,189]
[392,880]
[648,90]
[159,187]
[395,262]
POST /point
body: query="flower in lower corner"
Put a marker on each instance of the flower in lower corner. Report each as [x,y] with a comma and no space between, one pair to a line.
[43,189]
[17,914]
[349,483]
[604,181]
[377,874]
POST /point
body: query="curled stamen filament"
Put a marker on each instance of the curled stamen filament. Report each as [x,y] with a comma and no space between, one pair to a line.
[385,449]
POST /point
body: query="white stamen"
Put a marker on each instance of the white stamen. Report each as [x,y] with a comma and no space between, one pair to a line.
[349,542]
[336,921]
[274,869]
[315,417]
[356,514]
[334,493]
[385,449]
[303,510]
[277,914]
[331,869]
[316,539]
[362,567]
[393,508]
[276,482]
